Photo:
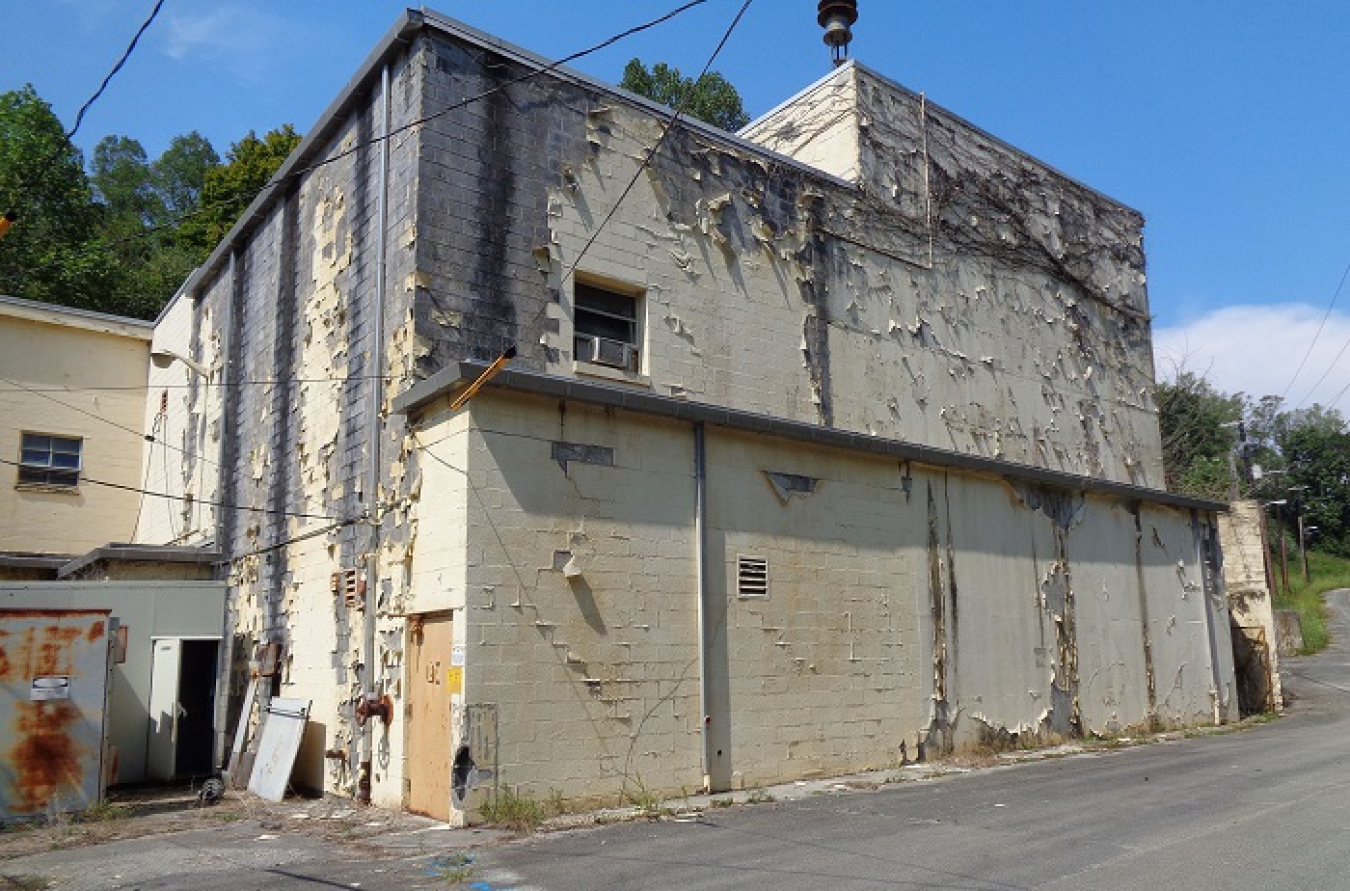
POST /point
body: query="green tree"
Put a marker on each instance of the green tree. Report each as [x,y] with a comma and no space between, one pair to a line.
[713,100]
[227,190]
[1318,472]
[180,173]
[54,252]
[1197,424]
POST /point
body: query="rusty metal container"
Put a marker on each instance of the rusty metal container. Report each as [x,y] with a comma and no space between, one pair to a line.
[55,667]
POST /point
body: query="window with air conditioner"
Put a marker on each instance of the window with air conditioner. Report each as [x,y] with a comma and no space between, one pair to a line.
[605,328]
[49,461]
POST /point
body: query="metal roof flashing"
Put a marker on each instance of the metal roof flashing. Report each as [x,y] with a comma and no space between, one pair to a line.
[424,394]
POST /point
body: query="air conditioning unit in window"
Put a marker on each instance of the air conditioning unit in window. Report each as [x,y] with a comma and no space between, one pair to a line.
[603,351]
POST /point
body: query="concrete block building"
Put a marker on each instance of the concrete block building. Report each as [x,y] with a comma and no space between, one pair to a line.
[830,446]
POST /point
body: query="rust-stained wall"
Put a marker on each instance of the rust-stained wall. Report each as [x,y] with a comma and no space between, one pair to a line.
[52,749]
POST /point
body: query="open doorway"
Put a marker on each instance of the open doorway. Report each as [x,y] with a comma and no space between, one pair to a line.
[182,708]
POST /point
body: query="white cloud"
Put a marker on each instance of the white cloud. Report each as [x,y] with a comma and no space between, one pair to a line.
[1257,349]
[239,38]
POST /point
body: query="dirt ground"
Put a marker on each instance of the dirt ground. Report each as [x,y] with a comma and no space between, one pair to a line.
[133,813]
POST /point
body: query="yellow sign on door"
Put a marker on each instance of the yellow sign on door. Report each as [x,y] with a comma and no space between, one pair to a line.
[454,679]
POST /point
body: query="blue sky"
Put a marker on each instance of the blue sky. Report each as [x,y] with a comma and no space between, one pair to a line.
[1223,123]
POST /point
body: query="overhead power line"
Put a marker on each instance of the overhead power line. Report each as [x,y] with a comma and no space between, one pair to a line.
[148,437]
[278,179]
[1308,354]
[225,505]
[10,215]
[126,54]
[656,146]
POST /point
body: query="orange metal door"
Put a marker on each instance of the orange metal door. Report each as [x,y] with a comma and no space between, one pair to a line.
[429,689]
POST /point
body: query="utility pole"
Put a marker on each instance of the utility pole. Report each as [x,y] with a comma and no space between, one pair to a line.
[1284,551]
[1303,549]
[1302,544]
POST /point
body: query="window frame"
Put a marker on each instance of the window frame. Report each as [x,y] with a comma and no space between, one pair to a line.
[44,472]
[634,347]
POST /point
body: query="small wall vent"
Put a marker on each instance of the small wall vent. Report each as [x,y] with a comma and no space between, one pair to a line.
[350,586]
[752,578]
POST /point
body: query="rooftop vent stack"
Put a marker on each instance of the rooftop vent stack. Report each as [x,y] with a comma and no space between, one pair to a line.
[837,18]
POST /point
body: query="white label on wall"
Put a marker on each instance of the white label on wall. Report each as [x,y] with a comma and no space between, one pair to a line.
[48,687]
[456,655]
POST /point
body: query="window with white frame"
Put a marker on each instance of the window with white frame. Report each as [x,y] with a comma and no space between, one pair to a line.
[605,327]
[49,461]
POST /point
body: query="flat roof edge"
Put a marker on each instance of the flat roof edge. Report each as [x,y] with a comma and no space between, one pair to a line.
[131,553]
[425,393]
[74,317]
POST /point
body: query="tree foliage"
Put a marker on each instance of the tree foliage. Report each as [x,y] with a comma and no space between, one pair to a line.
[228,189]
[123,236]
[713,99]
[1299,456]
[54,252]
[1195,439]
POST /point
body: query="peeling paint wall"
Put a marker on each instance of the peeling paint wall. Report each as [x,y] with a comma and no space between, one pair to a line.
[907,611]
[908,607]
[281,437]
[1249,600]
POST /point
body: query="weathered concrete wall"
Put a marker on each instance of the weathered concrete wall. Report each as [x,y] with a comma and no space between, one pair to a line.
[287,328]
[1249,600]
[80,376]
[1010,299]
[763,285]
[909,611]
[1023,335]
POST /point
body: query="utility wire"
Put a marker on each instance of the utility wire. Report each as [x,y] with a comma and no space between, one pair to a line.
[169,495]
[455,106]
[656,146]
[148,437]
[126,54]
[1308,354]
[278,179]
[79,116]
[224,385]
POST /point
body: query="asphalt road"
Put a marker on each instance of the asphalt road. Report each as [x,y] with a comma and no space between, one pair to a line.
[1266,807]
[1263,808]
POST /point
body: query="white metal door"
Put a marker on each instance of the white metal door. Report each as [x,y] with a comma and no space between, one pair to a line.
[160,760]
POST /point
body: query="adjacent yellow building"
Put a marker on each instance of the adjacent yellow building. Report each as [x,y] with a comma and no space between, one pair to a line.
[72,403]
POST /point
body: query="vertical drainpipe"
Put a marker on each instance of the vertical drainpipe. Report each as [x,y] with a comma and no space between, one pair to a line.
[376,440]
[704,611]
[1207,591]
[225,656]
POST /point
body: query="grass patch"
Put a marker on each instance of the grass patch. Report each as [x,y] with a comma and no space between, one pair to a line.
[647,802]
[1327,574]
[453,869]
[516,811]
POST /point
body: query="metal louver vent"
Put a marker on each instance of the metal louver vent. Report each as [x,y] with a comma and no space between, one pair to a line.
[752,578]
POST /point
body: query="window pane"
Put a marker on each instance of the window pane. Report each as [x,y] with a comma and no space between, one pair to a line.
[37,457]
[66,446]
[588,297]
[70,461]
[604,326]
[40,443]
